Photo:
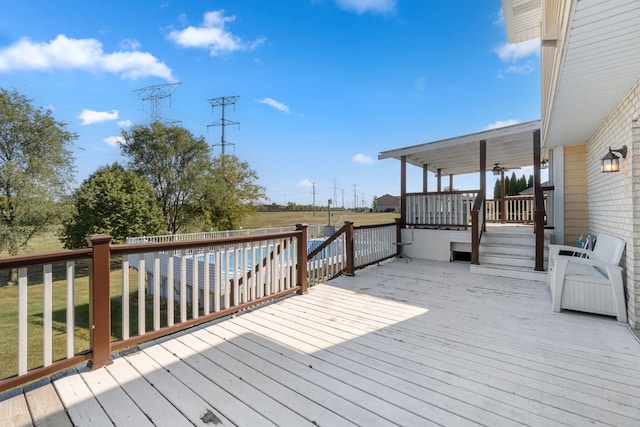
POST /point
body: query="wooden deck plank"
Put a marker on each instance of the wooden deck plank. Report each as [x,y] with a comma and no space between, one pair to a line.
[81,404]
[221,399]
[495,384]
[301,378]
[45,407]
[498,378]
[147,398]
[245,383]
[485,409]
[391,404]
[198,409]
[113,399]
[14,411]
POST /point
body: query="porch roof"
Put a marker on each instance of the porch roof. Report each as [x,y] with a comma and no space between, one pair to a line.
[509,147]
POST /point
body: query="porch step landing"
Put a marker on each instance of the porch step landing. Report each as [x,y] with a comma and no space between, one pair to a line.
[509,252]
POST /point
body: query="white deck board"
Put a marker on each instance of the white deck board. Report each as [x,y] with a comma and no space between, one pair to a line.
[420,343]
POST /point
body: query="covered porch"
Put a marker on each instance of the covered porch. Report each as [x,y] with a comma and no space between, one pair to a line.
[456,219]
[423,343]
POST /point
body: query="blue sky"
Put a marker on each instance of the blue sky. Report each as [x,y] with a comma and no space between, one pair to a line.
[323,85]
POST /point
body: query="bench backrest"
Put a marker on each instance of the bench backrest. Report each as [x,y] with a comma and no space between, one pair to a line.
[608,249]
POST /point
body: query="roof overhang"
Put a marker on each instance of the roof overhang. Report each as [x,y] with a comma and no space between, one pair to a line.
[510,147]
[522,19]
[596,65]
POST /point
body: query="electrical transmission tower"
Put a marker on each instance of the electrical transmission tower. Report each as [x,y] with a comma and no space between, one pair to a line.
[155,94]
[223,101]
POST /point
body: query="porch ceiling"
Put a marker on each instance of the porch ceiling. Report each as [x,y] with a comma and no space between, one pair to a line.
[510,147]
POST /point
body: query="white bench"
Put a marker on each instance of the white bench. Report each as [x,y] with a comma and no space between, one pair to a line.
[591,282]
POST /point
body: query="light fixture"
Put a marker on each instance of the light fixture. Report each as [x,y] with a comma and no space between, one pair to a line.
[611,162]
[544,164]
[496,169]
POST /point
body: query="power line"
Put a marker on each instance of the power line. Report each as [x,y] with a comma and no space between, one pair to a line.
[223,101]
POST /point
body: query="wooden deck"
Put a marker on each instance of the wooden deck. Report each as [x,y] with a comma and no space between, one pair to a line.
[415,344]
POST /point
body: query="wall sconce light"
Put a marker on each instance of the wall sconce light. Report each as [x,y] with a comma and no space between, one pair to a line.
[611,162]
[544,164]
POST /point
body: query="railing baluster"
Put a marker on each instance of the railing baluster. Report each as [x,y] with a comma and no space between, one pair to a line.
[70,315]
[170,289]
[183,286]
[22,321]
[156,291]
[141,295]
[206,295]
[195,285]
[125,297]
[47,314]
[217,264]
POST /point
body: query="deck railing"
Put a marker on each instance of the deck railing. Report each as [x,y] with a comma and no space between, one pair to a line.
[351,248]
[83,305]
[518,209]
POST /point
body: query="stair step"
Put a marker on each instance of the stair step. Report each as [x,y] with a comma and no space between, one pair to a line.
[509,272]
[509,259]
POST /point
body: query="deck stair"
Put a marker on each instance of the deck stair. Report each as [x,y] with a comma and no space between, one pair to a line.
[509,251]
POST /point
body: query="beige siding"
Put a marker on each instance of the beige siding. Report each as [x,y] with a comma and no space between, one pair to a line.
[614,198]
[575,196]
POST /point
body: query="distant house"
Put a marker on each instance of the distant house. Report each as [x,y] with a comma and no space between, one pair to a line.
[388,203]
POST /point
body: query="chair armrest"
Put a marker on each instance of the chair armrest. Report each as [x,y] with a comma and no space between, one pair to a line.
[555,250]
[587,261]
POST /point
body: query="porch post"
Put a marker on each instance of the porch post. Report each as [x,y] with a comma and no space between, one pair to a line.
[538,204]
[425,178]
[100,300]
[450,182]
[302,258]
[439,180]
[483,181]
[403,191]
[503,205]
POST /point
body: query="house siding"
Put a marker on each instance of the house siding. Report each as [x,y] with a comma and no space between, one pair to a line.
[575,192]
[614,198]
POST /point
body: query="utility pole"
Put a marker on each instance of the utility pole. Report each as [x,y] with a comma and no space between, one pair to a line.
[155,94]
[355,197]
[223,101]
[343,198]
[313,192]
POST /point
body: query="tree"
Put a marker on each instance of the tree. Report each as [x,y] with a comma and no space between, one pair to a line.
[229,193]
[512,189]
[497,191]
[112,201]
[36,167]
[173,161]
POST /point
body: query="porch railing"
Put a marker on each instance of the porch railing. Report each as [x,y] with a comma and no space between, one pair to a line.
[440,209]
[453,209]
[82,305]
[477,227]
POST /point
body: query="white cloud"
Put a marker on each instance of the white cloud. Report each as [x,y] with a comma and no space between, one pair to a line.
[125,123]
[114,140]
[90,117]
[509,52]
[363,6]
[80,54]
[212,35]
[129,44]
[501,124]
[363,159]
[305,183]
[275,104]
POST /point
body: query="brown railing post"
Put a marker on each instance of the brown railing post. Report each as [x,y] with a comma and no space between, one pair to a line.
[302,259]
[100,300]
[351,262]
[475,240]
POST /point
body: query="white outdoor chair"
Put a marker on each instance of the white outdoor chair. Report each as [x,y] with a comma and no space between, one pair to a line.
[591,281]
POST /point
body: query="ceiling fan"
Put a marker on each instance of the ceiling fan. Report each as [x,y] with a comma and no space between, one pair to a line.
[497,169]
